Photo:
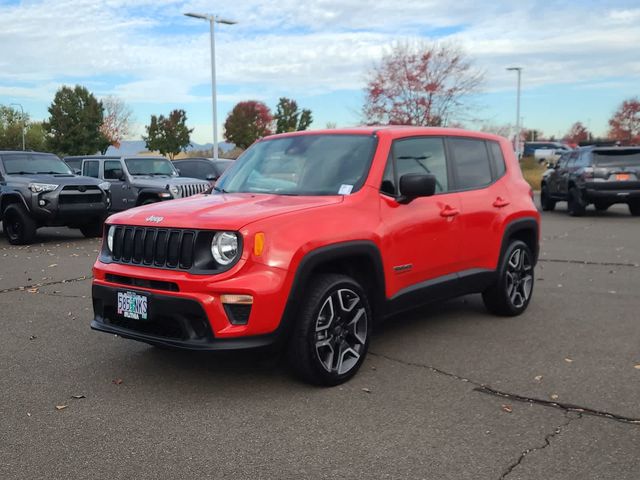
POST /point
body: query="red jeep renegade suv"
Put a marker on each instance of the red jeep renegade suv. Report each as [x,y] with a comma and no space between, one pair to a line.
[310,236]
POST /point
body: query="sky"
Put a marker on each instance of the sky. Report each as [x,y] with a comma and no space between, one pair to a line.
[580,59]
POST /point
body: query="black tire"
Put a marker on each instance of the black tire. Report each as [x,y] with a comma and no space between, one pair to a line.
[93,229]
[575,206]
[634,209]
[601,207]
[315,337]
[546,202]
[511,293]
[18,226]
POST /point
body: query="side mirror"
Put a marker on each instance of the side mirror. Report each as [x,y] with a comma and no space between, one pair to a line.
[414,185]
[178,170]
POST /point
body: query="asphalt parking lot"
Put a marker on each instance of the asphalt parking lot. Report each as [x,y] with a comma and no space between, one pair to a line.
[417,409]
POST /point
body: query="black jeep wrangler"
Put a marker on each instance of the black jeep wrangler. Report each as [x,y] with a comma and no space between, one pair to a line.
[599,175]
[39,189]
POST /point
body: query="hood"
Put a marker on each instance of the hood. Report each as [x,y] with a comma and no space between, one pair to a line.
[62,179]
[229,211]
[162,182]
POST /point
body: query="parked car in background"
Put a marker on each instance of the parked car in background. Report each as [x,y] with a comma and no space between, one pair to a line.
[601,176]
[75,163]
[310,236]
[202,168]
[139,181]
[545,151]
[39,189]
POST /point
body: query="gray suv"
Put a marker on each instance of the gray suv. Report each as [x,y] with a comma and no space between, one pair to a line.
[139,181]
[39,189]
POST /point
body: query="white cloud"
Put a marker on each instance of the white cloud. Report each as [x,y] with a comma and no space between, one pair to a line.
[145,51]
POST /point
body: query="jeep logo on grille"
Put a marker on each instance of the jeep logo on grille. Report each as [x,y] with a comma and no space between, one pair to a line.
[154,219]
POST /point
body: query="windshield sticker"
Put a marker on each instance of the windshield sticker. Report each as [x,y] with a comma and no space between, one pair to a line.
[345,189]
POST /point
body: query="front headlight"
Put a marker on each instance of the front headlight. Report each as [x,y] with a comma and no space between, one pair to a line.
[174,190]
[42,187]
[224,247]
[110,233]
[105,185]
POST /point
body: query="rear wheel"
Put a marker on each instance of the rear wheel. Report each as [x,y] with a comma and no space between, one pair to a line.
[546,202]
[601,206]
[19,227]
[575,206]
[634,208]
[332,333]
[511,293]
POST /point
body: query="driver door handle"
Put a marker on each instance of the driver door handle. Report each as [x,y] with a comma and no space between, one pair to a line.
[500,202]
[448,211]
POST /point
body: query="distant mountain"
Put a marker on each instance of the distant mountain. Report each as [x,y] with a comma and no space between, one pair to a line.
[134,147]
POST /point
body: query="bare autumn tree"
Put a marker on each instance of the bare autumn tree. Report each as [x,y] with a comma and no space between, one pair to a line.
[577,134]
[116,123]
[625,123]
[420,84]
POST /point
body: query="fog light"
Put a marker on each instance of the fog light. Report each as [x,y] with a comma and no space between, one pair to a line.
[42,203]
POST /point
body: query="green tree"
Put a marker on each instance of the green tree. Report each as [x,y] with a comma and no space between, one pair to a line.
[168,135]
[247,122]
[11,125]
[74,125]
[289,118]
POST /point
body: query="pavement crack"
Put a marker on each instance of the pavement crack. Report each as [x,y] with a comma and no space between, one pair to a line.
[45,284]
[484,388]
[567,407]
[588,262]
[547,442]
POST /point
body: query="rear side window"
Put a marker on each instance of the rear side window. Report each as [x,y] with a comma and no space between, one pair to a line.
[91,168]
[416,155]
[470,163]
[112,170]
[497,158]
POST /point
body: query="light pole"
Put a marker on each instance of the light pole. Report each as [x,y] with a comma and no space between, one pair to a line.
[213,19]
[23,122]
[517,143]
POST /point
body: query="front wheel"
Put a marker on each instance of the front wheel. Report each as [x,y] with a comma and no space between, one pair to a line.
[18,225]
[93,229]
[511,293]
[634,209]
[575,205]
[332,332]
[546,202]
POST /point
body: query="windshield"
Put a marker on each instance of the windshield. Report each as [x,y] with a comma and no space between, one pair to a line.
[302,165]
[26,163]
[619,158]
[150,166]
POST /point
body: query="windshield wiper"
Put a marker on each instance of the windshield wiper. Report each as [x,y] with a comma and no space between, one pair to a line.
[21,173]
[52,173]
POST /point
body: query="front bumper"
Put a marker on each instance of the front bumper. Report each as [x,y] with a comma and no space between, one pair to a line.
[57,212]
[185,310]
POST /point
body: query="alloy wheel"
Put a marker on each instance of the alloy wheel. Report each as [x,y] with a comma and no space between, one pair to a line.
[519,275]
[341,331]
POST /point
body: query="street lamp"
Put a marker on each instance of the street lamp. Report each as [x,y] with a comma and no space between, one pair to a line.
[23,123]
[517,143]
[213,19]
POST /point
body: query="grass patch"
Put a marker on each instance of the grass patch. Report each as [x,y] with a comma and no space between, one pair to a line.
[532,171]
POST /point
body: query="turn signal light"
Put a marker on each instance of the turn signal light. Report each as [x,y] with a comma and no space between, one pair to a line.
[236,299]
[258,244]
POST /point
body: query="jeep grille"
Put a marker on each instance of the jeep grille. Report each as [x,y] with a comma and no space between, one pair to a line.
[192,189]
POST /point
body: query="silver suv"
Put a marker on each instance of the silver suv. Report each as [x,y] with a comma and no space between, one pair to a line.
[138,180]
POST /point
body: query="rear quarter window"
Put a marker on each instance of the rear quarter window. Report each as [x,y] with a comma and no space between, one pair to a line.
[497,158]
[470,163]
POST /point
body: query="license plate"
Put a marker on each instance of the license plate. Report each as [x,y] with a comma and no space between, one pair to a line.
[132,305]
[622,176]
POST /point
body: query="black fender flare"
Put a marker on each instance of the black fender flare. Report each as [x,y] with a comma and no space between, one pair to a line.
[150,192]
[332,253]
[515,226]
[12,197]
